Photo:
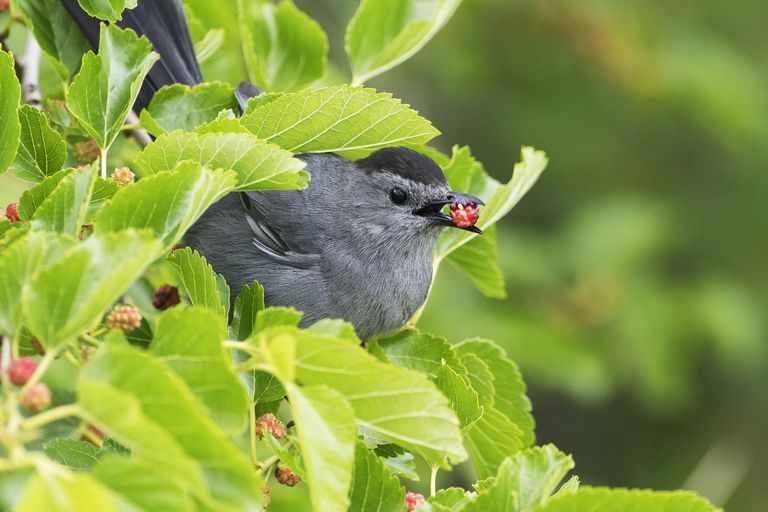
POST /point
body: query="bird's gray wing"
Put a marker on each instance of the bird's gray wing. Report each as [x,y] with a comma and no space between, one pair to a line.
[269,241]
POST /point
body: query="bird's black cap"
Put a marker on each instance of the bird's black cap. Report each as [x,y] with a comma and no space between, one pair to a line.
[404,162]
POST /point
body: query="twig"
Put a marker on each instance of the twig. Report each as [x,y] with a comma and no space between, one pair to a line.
[30,91]
[141,136]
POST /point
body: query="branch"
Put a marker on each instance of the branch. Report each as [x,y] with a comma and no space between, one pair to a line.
[30,62]
[141,136]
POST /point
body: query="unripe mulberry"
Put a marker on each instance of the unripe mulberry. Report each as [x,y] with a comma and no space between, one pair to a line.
[124,317]
[20,370]
[86,152]
[285,476]
[36,398]
[412,499]
[269,423]
[123,176]
[165,297]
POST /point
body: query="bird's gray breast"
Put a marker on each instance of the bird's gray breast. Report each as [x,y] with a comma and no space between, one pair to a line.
[377,288]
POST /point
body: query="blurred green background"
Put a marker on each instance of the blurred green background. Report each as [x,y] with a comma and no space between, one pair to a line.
[636,266]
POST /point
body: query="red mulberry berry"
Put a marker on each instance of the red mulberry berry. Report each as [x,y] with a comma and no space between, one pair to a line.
[285,476]
[20,370]
[12,212]
[464,215]
[269,423]
[412,499]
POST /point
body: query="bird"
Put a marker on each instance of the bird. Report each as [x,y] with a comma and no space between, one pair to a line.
[356,244]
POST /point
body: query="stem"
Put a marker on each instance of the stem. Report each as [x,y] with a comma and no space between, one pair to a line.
[433,481]
[241,345]
[5,357]
[104,163]
[45,362]
[252,433]
[268,464]
[30,92]
[49,416]
[141,137]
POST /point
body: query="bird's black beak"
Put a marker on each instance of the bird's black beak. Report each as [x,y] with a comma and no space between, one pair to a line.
[434,210]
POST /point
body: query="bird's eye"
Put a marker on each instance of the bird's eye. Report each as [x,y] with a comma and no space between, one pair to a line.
[398,195]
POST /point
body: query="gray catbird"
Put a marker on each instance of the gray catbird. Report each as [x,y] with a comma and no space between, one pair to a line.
[355,244]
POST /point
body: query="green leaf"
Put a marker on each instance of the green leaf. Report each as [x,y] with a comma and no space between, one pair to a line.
[385,33]
[142,484]
[463,398]
[10,93]
[416,350]
[284,48]
[492,439]
[337,119]
[501,496]
[204,287]
[189,342]
[19,261]
[65,208]
[54,492]
[137,400]
[71,295]
[103,92]
[42,150]
[110,10]
[510,398]
[168,203]
[259,165]
[478,258]
[480,377]
[533,474]
[275,315]
[627,500]
[73,453]
[32,198]
[374,488]
[181,107]
[247,306]
[326,427]
[56,32]
[103,190]
[419,420]
[499,199]
[398,461]
[452,499]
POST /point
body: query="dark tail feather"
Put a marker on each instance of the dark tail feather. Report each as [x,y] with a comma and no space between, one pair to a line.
[162,22]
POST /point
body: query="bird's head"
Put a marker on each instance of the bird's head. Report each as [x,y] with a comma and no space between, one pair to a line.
[407,191]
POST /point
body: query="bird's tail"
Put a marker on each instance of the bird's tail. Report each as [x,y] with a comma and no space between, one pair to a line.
[162,22]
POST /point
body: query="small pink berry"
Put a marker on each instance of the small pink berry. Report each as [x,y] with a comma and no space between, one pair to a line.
[123,176]
[20,370]
[412,499]
[269,423]
[36,398]
[4,5]
[12,212]
[285,476]
[124,317]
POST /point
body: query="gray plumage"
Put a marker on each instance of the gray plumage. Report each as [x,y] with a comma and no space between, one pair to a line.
[341,248]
